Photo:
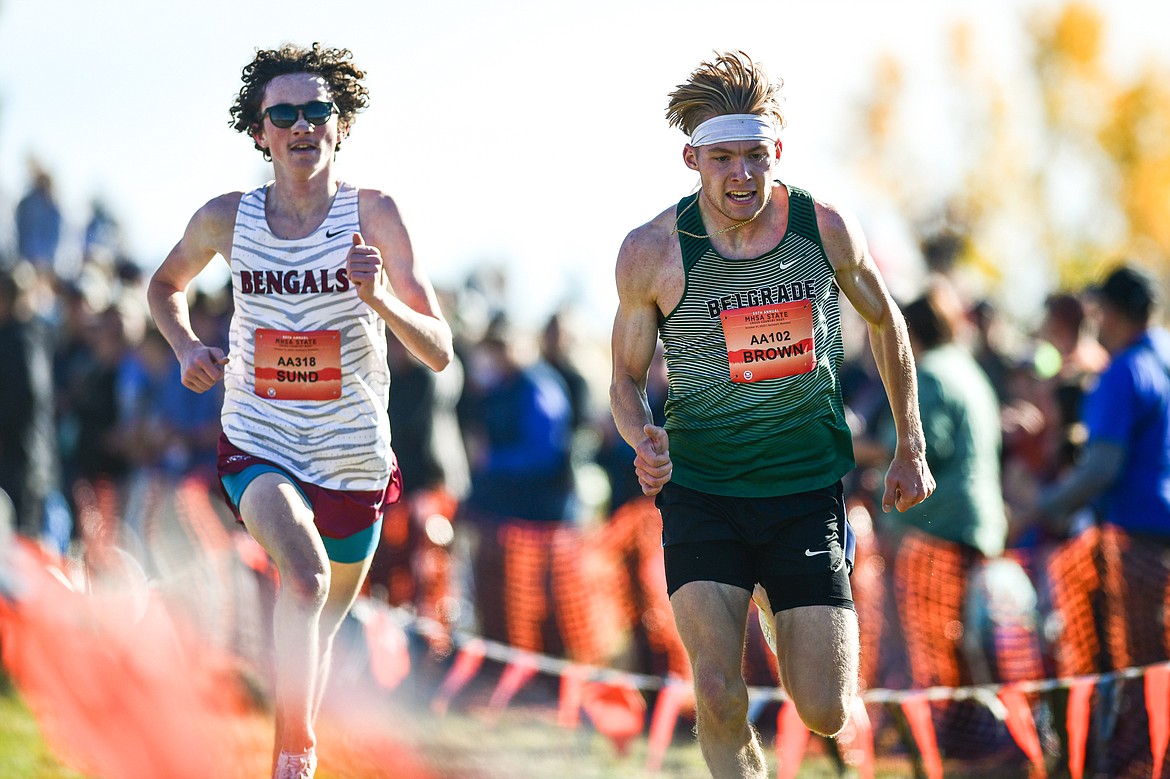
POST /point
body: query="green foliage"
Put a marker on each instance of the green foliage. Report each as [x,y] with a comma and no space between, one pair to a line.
[22,750]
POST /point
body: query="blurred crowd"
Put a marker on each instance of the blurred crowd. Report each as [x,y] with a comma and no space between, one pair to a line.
[522,520]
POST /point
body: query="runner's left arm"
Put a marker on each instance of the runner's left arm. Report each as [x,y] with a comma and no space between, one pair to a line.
[382,268]
[908,480]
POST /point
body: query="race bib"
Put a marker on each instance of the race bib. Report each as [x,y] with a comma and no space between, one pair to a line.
[769,342]
[298,366]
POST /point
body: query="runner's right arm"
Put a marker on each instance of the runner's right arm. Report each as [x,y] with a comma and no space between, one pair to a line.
[634,338]
[208,233]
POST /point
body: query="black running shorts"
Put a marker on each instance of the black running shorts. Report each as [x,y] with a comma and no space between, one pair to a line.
[799,547]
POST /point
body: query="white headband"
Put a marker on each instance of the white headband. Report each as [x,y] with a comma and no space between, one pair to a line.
[734,127]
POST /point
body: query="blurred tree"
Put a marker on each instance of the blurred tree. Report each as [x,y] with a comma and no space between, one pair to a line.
[1053,169]
[1137,138]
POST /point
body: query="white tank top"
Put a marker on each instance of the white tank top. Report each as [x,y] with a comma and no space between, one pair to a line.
[307,384]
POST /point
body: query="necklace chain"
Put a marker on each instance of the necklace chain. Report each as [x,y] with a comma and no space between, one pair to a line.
[678,230]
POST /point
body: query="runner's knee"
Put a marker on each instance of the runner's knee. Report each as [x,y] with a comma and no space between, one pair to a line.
[722,697]
[824,712]
[308,579]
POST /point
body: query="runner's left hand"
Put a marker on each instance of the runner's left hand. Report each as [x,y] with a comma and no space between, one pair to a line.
[908,482]
[364,266]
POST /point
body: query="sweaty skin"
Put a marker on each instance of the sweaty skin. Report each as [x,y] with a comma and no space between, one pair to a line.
[315,592]
[817,646]
[650,281]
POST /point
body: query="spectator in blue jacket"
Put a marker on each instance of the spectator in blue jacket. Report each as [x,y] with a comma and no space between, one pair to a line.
[520,436]
[1124,477]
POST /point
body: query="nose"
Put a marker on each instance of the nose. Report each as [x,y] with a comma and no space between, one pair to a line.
[741,167]
[741,170]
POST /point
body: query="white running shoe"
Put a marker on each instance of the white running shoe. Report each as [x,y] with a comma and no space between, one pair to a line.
[296,766]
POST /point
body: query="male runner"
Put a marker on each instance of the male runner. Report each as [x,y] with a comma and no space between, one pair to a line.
[319,269]
[741,282]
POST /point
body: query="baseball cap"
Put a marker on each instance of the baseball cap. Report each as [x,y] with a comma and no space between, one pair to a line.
[1130,290]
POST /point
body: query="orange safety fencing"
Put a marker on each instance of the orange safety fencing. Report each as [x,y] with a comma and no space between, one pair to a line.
[107,652]
[580,593]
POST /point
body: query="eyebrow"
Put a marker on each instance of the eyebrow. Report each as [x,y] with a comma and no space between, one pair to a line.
[719,148]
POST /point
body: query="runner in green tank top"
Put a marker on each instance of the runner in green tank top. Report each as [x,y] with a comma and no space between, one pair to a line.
[741,283]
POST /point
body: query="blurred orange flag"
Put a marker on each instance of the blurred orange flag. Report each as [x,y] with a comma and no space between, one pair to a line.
[1157,688]
[1022,726]
[1079,694]
[616,709]
[792,739]
[672,698]
[918,716]
[115,688]
[386,643]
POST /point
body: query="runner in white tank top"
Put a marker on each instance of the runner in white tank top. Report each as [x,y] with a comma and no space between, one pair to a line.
[308,385]
[320,271]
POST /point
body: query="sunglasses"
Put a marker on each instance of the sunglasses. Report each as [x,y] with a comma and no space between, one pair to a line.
[284,115]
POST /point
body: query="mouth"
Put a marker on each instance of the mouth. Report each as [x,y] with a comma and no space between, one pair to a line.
[303,147]
[741,197]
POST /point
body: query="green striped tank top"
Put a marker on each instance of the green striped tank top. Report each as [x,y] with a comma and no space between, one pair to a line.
[753,352]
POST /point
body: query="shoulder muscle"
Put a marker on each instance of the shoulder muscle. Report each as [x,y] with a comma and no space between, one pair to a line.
[645,256]
[841,235]
[854,269]
[381,223]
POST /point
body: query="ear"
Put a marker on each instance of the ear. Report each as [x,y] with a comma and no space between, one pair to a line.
[691,157]
[779,147]
[258,137]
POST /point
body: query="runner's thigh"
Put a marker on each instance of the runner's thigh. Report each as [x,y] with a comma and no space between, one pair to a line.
[817,651]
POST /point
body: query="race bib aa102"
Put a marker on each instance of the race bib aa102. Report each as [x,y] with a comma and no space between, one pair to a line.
[298,366]
[769,342]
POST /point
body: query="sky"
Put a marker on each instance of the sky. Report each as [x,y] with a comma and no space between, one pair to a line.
[523,135]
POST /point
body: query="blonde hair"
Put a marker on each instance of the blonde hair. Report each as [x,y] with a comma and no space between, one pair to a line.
[733,83]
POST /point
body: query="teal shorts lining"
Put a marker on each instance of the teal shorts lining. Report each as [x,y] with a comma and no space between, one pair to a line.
[351,549]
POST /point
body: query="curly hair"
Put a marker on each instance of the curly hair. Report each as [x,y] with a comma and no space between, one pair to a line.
[731,84]
[335,66]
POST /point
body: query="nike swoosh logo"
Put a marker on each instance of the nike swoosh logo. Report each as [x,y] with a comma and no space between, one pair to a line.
[811,553]
[333,233]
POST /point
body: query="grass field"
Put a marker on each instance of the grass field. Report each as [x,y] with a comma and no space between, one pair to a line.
[22,751]
[106,676]
[522,743]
